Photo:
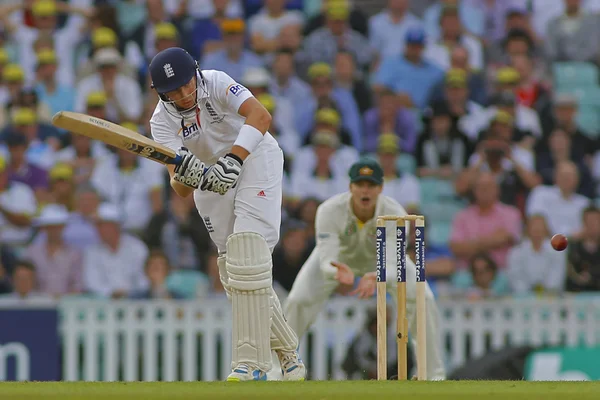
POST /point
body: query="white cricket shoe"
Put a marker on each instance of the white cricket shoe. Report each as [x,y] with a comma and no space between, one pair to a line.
[243,373]
[292,367]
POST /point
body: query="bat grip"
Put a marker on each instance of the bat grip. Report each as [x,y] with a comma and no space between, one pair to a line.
[177,160]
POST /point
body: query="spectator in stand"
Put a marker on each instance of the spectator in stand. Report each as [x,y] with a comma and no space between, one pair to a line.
[471,17]
[266,26]
[487,226]
[401,186]
[291,253]
[560,203]
[56,95]
[285,83]
[518,41]
[4,93]
[286,136]
[442,150]
[157,270]
[533,265]
[23,171]
[347,77]
[165,35]
[81,231]
[583,270]
[337,35]
[13,78]
[390,116]
[390,24]
[24,282]
[58,265]
[114,268]
[482,280]
[560,148]
[452,34]
[409,75]
[357,19]
[206,35]
[62,186]
[500,16]
[476,85]
[530,91]
[568,36]
[232,59]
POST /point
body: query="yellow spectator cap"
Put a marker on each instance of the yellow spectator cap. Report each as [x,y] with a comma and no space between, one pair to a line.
[132,126]
[165,30]
[325,138]
[319,70]
[456,77]
[61,171]
[267,101]
[104,37]
[13,73]
[233,26]
[96,99]
[44,8]
[388,143]
[503,117]
[46,56]
[4,58]
[328,116]
[2,164]
[338,9]
[507,75]
[23,116]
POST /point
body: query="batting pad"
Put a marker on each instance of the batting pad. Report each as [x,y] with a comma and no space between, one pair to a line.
[248,264]
[221,263]
[283,336]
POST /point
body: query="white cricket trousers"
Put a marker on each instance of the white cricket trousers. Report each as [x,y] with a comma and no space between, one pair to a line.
[312,289]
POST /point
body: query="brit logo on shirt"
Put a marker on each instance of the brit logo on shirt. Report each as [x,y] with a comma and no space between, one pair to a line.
[208,224]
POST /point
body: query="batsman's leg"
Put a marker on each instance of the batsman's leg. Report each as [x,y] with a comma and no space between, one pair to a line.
[248,264]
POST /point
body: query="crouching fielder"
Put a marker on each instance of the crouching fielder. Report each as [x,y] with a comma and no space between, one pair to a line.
[233,167]
[345,230]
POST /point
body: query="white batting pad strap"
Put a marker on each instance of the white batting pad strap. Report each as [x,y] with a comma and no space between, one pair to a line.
[248,264]
[283,336]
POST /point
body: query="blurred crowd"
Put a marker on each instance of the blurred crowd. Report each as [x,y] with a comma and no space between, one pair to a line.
[483,113]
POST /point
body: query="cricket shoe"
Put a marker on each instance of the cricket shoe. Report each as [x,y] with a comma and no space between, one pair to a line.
[292,367]
[243,373]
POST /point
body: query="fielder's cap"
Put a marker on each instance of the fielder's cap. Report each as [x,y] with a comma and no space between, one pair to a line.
[337,10]
[328,116]
[107,56]
[502,117]
[108,212]
[388,143]
[507,75]
[45,57]
[61,171]
[4,58]
[23,116]
[104,37]
[319,70]
[44,8]
[366,169]
[172,68]
[256,77]
[165,30]
[415,35]
[96,99]
[13,73]
[15,139]
[132,126]
[456,78]
[267,101]
[233,26]
[504,98]
[324,138]
[565,100]
[52,215]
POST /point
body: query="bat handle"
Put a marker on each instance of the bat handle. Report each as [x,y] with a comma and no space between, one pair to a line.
[177,160]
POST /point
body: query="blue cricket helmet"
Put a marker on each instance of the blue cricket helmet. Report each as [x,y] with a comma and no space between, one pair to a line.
[171,69]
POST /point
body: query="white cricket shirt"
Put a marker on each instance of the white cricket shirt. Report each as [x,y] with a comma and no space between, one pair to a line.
[342,237]
[209,134]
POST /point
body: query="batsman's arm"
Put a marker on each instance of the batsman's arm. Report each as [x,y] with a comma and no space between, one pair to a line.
[328,240]
[258,120]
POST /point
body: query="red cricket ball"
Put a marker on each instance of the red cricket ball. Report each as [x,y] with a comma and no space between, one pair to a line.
[559,242]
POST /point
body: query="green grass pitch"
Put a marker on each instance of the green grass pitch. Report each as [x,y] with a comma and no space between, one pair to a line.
[345,390]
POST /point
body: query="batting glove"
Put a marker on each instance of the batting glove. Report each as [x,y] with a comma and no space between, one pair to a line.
[190,171]
[220,177]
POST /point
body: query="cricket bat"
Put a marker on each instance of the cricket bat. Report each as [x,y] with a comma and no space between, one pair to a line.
[115,135]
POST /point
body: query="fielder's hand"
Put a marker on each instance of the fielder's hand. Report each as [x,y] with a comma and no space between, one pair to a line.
[220,177]
[366,286]
[190,171]
[344,274]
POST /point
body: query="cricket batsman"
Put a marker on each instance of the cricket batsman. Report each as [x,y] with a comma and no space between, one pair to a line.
[345,228]
[233,167]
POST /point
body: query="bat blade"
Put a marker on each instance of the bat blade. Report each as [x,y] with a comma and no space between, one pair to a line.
[114,135]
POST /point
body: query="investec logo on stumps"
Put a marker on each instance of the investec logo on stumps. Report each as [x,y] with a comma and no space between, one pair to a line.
[380,249]
[419,253]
